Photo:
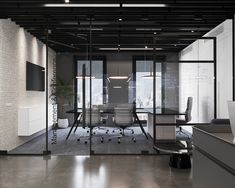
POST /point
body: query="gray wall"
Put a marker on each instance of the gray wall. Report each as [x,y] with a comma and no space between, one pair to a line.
[119,64]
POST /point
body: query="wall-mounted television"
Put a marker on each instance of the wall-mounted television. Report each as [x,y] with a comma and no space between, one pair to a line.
[35,77]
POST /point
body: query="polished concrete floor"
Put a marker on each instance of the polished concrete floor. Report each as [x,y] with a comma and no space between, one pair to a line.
[91,172]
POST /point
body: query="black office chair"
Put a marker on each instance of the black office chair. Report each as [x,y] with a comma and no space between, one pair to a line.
[187,118]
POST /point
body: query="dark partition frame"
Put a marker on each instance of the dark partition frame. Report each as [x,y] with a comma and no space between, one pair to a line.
[214,62]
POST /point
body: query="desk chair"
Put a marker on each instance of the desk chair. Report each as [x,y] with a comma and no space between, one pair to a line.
[187,118]
[95,122]
[123,118]
[129,107]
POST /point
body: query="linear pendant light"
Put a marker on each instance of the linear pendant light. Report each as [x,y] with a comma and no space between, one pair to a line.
[86,77]
[117,87]
[80,5]
[118,77]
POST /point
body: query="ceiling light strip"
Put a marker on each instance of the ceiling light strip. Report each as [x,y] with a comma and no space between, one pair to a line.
[127,49]
[143,5]
[80,5]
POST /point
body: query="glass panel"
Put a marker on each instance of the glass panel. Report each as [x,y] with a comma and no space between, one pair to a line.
[171,86]
[97,83]
[144,84]
[120,132]
[197,80]
[200,50]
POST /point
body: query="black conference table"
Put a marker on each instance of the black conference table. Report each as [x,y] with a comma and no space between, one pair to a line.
[78,116]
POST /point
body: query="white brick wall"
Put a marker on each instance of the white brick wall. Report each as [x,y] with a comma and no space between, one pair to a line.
[16,47]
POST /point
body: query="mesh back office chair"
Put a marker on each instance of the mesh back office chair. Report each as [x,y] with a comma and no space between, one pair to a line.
[123,118]
[187,118]
[95,121]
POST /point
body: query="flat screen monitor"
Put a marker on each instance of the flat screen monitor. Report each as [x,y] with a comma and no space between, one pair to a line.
[35,77]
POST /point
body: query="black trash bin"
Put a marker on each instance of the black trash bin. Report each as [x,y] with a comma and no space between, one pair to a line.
[180,161]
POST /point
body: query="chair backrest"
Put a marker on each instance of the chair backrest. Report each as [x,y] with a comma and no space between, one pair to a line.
[123,115]
[188,110]
[125,105]
[95,116]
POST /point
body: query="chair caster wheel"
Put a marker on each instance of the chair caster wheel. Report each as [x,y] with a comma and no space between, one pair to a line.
[119,142]
[85,142]
[87,131]
[94,133]
[102,141]
[113,131]
[107,132]
[78,139]
[109,139]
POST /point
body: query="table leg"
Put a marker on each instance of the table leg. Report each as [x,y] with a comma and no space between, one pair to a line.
[78,121]
[141,126]
[73,125]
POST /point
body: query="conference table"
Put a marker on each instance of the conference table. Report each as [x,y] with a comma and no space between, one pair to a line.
[78,117]
[165,121]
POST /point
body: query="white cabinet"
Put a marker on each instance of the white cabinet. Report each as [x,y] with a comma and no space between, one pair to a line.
[164,132]
[33,119]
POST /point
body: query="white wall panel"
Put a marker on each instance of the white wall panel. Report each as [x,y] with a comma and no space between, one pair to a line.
[16,47]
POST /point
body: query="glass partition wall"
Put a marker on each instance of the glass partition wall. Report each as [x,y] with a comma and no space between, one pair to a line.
[120,96]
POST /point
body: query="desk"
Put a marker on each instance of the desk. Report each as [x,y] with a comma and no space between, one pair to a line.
[163,116]
[213,156]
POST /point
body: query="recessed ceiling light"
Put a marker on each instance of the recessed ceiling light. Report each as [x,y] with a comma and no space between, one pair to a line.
[143,5]
[192,31]
[66,1]
[120,19]
[146,47]
[81,5]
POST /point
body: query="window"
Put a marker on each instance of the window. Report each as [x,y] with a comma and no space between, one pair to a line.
[97,82]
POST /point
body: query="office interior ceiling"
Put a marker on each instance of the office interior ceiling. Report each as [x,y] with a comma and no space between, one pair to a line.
[175,25]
